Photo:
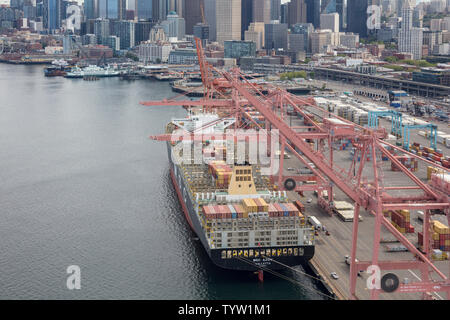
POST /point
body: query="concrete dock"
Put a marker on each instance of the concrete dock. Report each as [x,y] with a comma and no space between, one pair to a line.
[331,250]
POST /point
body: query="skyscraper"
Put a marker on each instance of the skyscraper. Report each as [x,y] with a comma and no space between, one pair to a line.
[261,11]
[144,9]
[210,16]
[330,21]
[275,10]
[112,9]
[246,15]
[357,16]
[296,12]
[313,10]
[125,30]
[89,9]
[228,15]
[275,36]
[300,37]
[192,14]
[410,39]
[122,9]
[101,30]
[52,14]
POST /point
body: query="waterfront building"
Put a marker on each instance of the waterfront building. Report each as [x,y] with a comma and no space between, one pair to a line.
[183,56]
[150,52]
[239,48]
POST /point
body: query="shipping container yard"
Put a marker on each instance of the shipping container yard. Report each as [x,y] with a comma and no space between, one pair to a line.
[357,187]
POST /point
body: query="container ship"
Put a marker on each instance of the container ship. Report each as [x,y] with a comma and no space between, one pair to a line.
[241,221]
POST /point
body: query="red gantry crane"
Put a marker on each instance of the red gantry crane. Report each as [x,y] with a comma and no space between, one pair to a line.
[363,181]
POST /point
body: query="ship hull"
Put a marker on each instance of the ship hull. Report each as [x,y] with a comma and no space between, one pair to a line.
[245,259]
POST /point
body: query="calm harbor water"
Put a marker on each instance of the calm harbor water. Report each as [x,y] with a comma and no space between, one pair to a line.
[81,184]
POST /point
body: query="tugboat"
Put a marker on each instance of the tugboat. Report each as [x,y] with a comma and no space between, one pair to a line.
[59,68]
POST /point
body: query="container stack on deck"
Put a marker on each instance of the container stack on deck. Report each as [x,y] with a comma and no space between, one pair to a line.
[251,208]
[400,219]
[221,173]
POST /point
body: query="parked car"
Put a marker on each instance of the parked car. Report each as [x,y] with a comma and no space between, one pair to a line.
[334,275]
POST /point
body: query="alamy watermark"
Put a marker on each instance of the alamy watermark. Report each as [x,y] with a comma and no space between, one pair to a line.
[73,20]
[74,278]
[374,19]
[388,283]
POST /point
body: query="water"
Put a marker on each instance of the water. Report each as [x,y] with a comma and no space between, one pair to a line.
[81,184]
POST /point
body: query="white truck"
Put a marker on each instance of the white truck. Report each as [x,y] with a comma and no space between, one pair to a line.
[315,222]
[420,215]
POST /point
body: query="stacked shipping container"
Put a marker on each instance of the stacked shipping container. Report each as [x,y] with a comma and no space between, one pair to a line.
[400,219]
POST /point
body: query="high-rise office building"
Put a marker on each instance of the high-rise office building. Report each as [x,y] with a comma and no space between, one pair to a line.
[89,9]
[112,9]
[142,31]
[313,10]
[275,10]
[174,26]
[255,33]
[228,17]
[246,15]
[357,16]
[101,30]
[330,21]
[275,35]
[300,37]
[125,30]
[341,8]
[296,12]
[261,11]
[201,31]
[210,16]
[144,9]
[52,14]
[284,13]
[122,9]
[192,14]
[410,39]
